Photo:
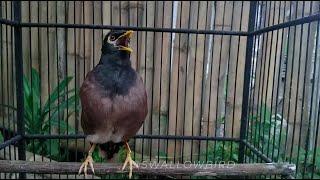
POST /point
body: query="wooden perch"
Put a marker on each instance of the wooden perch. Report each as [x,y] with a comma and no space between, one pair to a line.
[7,166]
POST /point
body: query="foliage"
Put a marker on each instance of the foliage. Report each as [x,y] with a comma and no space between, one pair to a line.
[42,118]
[267,132]
[304,162]
[220,151]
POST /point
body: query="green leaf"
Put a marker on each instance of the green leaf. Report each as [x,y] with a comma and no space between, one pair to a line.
[62,106]
[26,86]
[35,81]
[1,138]
[36,119]
[52,146]
[68,103]
[30,107]
[35,91]
[57,92]
[96,156]
[56,122]
[60,124]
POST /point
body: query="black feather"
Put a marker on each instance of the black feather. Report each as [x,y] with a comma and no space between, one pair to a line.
[110,148]
[115,78]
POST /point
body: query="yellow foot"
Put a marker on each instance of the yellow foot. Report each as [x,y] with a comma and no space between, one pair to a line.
[131,162]
[84,165]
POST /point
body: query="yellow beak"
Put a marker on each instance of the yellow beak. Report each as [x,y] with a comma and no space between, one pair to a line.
[127,34]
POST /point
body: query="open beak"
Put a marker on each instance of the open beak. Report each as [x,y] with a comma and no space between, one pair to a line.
[124,40]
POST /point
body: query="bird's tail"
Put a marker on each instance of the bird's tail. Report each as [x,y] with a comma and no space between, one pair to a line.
[107,150]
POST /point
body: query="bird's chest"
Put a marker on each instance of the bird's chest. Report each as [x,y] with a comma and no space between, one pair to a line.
[116,81]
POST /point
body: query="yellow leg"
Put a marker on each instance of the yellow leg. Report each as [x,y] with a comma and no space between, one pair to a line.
[88,160]
[129,160]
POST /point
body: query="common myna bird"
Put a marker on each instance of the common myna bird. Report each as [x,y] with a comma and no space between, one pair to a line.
[113,100]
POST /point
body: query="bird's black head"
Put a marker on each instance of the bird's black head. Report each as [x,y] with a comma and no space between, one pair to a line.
[117,40]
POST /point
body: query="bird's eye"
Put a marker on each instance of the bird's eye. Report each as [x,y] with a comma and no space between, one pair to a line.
[112,38]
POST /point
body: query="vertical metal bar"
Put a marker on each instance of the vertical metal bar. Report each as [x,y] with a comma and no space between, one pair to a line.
[84,53]
[226,83]
[270,83]
[285,81]
[19,83]
[40,63]
[160,84]
[30,66]
[282,52]
[2,75]
[194,83]
[153,72]
[145,72]
[277,81]
[206,42]
[11,79]
[257,54]
[185,83]
[300,71]
[76,62]
[203,83]
[48,79]
[246,87]
[58,77]
[260,75]
[273,83]
[178,79]
[170,77]
[256,42]
[312,93]
[66,5]
[8,34]
[291,85]
[138,71]
[263,80]
[218,84]
[235,80]
[212,26]
[307,142]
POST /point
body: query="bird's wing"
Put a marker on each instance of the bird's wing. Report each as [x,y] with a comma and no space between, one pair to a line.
[95,107]
[133,109]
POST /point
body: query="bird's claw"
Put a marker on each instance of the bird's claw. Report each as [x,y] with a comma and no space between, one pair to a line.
[84,166]
[131,162]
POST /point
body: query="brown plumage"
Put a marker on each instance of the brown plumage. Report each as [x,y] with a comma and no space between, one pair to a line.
[111,118]
[113,98]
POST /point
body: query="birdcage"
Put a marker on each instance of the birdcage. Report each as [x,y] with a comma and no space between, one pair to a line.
[233,87]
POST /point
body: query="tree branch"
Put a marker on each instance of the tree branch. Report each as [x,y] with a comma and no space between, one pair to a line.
[7,166]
